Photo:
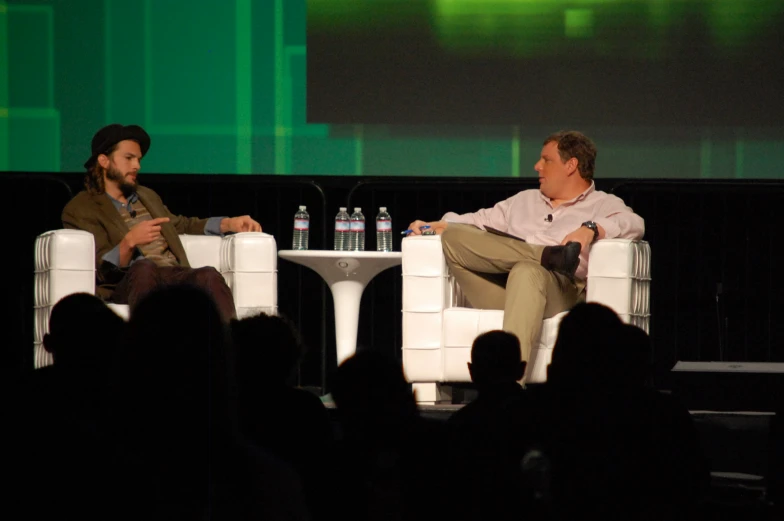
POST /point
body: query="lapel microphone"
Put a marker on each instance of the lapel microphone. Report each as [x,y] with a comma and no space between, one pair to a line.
[133,214]
[549,218]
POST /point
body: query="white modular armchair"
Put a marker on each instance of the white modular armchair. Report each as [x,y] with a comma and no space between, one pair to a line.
[65,264]
[439,327]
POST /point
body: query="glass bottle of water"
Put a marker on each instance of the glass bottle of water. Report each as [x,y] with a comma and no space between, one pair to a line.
[357,226]
[342,230]
[301,229]
[383,230]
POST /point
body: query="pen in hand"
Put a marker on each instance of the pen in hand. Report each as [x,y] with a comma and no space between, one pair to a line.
[409,231]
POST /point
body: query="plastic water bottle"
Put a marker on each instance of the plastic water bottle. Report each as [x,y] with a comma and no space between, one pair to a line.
[383,230]
[342,230]
[301,229]
[357,227]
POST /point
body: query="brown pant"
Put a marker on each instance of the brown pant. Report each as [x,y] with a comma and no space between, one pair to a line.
[145,276]
[497,272]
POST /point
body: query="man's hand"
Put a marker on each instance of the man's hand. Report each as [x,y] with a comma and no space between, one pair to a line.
[435,226]
[244,223]
[584,236]
[145,232]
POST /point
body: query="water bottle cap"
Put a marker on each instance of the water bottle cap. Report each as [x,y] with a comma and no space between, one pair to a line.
[342,208]
[357,209]
[303,207]
[382,209]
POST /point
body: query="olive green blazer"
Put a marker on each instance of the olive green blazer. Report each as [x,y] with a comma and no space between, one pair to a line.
[97,214]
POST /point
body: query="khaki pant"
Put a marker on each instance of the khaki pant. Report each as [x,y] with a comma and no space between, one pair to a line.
[497,272]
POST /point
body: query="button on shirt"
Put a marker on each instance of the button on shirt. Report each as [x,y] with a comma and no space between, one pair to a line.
[527,215]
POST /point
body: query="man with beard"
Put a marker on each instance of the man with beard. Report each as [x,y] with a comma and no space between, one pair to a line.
[137,243]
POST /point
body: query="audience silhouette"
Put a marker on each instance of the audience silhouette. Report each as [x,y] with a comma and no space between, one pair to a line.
[64,414]
[291,423]
[616,449]
[182,455]
[389,455]
[175,416]
[476,448]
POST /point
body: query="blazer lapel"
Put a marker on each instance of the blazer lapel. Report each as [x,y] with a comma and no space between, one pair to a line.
[111,215]
[167,230]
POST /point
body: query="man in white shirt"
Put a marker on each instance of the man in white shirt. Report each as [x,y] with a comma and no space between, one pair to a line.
[543,274]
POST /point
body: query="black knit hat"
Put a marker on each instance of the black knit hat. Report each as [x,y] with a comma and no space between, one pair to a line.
[110,135]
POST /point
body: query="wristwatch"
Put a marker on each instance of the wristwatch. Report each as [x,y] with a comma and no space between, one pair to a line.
[592,226]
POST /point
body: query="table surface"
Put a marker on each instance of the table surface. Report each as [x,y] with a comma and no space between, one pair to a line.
[337,254]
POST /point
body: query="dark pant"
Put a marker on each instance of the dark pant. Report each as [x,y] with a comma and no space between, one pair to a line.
[145,276]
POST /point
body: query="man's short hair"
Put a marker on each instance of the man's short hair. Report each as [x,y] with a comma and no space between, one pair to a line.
[575,144]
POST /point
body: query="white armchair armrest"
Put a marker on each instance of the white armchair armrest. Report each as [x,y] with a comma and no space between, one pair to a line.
[249,263]
[64,264]
[619,276]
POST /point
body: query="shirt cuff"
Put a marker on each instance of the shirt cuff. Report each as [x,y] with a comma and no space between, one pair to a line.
[213,226]
[611,228]
[113,256]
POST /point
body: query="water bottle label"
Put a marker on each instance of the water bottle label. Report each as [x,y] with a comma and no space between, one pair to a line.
[357,226]
[301,225]
[384,226]
[342,226]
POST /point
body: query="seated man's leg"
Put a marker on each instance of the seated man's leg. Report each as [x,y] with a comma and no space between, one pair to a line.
[483,252]
[211,281]
[142,277]
[532,295]
[481,261]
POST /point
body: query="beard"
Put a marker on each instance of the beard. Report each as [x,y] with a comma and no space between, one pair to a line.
[126,187]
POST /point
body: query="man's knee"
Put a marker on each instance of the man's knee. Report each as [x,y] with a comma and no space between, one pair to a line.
[446,243]
[527,274]
[452,238]
[451,234]
[206,277]
[212,282]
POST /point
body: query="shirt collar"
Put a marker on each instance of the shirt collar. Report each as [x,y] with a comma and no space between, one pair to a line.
[117,204]
[580,197]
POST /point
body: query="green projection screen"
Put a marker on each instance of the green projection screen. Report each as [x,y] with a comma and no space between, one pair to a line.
[240,86]
[589,62]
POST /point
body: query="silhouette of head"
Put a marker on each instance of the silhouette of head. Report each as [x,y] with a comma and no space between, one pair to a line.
[174,368]
[268,349]
[82,331]
[495,359]
[370,390]
[174,410]
[587,346]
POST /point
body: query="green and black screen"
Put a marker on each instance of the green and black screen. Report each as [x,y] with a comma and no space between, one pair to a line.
[678,89]
[652,63]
